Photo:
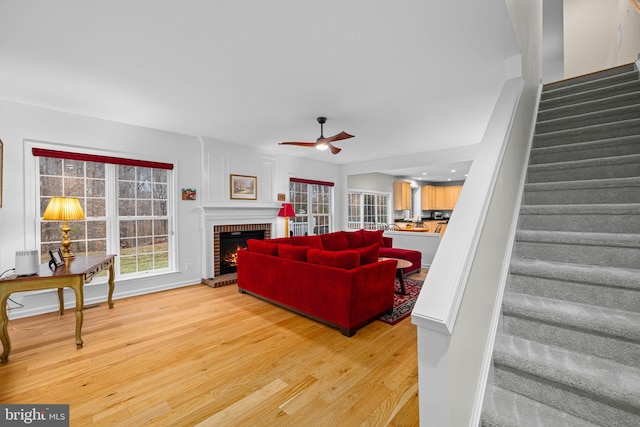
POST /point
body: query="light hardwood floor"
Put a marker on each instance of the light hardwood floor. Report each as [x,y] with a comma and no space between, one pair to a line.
[212,357]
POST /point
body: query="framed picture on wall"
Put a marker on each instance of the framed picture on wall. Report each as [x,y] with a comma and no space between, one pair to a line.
[244,187]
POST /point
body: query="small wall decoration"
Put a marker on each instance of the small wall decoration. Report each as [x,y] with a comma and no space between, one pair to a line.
[244,187]
[188,194]
[282,197]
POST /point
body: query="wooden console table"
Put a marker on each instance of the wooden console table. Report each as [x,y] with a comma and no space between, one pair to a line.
[74,274]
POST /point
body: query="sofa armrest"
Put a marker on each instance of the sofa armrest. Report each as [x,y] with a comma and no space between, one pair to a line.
[387,242]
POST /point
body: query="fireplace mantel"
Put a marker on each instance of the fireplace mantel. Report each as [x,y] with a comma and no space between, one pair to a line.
[230,214]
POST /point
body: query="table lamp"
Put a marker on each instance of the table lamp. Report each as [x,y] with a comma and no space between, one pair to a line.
[286,211]
[64,209]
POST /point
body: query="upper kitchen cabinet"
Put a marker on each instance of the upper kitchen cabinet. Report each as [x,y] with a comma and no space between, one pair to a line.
[401,195]
[441,198]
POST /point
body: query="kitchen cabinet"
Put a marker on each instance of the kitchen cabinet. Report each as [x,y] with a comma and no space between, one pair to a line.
[401,195]
[440,198]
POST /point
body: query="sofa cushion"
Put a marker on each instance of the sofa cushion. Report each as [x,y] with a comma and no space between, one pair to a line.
[262,247]
[311,241]
[335,241]
[298,253]
[285,240]
[369,254]
[354,238]
[369,237]
[414,257]
[340,259]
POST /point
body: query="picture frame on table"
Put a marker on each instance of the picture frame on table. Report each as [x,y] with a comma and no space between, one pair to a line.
[56,259]
[243,187]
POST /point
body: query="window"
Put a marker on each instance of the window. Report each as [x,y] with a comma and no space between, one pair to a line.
[312,204]
[126,207]
[367,210]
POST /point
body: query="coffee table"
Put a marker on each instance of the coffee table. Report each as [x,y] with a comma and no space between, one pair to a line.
[401,264]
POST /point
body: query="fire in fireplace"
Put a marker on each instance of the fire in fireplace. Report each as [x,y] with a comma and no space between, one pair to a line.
[230,243]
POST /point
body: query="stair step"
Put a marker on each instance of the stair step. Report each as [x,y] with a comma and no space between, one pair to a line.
[608,115]
[604,218]
[589,329]
[587,169]
[504,408]
[616,190]
[617,288]
[615,101]
[605,249]
[619,129]
[588,91]
[626,68]
[599,390]
[586,150]
[592,95]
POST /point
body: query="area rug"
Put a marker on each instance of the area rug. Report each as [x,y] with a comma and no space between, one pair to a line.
[403,304]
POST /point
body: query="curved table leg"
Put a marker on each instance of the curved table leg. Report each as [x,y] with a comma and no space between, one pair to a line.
[4,336]
[111,285]
[61,301]
[77,288]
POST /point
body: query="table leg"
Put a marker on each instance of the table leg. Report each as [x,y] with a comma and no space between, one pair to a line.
[400,276]
[111,285]
[77,288]
[4,334]
[61,301]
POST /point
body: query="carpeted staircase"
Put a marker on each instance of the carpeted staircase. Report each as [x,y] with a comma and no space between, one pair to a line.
[568,347]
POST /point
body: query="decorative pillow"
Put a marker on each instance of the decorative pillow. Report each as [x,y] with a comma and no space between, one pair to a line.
[285,240]
[335,241]
[311,241]
[339,259]
[354,238]
[298,253]
[369,254]
[262,247]
[370,237]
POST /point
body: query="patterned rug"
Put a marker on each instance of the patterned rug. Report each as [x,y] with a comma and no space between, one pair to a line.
[403,304]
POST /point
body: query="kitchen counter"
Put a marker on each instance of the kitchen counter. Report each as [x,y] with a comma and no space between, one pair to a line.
[423,241]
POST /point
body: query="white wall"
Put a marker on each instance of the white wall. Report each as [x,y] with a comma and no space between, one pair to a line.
[591,40]
[21,125]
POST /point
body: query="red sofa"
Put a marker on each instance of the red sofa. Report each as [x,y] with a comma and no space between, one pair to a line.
[334,278]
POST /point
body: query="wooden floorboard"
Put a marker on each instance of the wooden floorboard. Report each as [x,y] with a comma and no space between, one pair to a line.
[212,357]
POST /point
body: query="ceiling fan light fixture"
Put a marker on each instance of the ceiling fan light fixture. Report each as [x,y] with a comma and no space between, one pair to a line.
[322,146]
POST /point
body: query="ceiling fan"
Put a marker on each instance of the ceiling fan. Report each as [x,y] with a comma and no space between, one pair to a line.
[323,143]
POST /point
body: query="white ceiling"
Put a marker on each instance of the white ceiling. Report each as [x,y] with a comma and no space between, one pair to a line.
[403,77]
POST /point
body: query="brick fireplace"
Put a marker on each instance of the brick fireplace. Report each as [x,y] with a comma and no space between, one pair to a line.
[233,228]
[229,219]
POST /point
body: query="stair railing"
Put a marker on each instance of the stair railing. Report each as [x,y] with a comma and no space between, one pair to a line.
[451,365]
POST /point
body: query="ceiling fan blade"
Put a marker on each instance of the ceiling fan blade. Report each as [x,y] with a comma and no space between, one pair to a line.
[334,149]
[301,144]
[337,137]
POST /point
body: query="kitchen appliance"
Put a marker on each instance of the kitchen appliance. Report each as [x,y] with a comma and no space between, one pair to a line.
[26,263]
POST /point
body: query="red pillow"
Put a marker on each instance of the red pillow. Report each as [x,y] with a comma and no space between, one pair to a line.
[285,240]
[311,241]
[339,259]
[298,253]
[369,254]
[262,247]
[335,241]
[371,237]
[354,238]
